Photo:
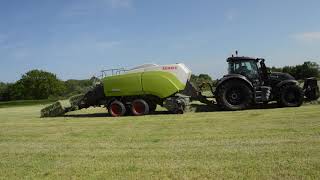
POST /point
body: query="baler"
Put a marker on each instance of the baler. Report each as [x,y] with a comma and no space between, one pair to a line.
[137,91]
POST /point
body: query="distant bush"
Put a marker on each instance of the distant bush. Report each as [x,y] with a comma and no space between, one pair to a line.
[4,94]
[198,80]
[37,84]
[303,71]
[34,85]
[74,87]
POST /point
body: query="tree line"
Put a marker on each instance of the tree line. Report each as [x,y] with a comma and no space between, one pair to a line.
[301,71]
[38,84]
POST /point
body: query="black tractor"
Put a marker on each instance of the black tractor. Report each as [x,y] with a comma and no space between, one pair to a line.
[249,82]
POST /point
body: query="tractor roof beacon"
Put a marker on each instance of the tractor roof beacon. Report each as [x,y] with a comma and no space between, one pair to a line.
[249,82]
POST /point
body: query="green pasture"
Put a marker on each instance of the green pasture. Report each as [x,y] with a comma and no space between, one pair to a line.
[282,143]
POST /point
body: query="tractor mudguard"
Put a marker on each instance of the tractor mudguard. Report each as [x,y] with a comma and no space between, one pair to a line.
[290,81]
[234,77]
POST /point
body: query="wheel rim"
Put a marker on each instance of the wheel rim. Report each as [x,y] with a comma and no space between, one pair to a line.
[138,108]
[116,109]
[234,96]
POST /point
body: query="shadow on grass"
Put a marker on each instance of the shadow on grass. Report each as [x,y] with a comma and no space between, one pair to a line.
[197,108]
[87,115]
[107,114]
[216,108]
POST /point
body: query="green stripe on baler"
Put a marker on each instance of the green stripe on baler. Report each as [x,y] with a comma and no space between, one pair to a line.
[123,85]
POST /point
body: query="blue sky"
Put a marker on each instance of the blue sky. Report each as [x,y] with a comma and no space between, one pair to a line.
[77,38]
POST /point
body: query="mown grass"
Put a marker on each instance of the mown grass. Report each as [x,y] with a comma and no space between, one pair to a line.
[255,144]
[6,104]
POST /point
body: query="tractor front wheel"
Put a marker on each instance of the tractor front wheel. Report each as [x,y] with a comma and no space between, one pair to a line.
[117,108]
[140,107]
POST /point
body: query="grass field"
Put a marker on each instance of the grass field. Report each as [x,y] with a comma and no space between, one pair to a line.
[254,144]
[6,104]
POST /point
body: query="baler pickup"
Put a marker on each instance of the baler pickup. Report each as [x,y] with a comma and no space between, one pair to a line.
[59,108]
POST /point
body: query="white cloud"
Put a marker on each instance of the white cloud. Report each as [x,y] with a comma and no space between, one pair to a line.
[308,36]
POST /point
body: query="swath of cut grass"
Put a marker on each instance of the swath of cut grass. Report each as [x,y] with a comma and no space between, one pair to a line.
[279,143]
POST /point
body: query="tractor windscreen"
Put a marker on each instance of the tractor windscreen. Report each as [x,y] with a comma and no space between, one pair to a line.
[247,68]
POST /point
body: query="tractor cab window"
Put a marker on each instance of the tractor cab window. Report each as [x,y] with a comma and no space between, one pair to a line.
[246,68]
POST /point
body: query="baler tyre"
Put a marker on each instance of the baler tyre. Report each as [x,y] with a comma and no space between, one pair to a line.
[140,107]
[234,95]
[117,108]
[291,96]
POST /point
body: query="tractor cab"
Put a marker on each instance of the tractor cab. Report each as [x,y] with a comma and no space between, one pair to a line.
[252,68]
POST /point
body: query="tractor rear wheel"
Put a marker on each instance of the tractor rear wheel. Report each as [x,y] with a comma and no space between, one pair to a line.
[117,108]
[291,96]
[139,107]
[234,95]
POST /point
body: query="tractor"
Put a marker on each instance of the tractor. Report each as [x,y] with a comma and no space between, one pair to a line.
[249,82]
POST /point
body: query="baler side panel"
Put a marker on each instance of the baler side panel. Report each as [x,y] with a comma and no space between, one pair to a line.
[161,84]
[123,85]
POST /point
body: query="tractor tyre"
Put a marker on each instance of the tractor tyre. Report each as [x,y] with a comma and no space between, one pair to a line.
[234,95]
[140,107]
[117,108]
[291,96]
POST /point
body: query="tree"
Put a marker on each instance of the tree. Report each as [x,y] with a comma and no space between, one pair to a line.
[3,91]
[290,70]
[302,71]
[275,69]
[37,84]
[309,69]
[306,70]
[74,87]
[202,78]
